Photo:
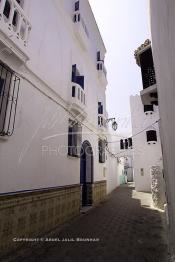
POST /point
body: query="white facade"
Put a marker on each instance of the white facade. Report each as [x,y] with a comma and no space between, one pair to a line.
[163,42]
[145,154]
[35,156]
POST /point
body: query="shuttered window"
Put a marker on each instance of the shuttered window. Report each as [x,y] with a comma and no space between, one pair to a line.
[148,108]
[151,136]
[74,139]
[100,108]
[101,147]
[126,143]
[77,6]
[121,144]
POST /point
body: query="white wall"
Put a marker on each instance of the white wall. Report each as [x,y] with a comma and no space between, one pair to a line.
[144,155]
[30,159]
[163,42]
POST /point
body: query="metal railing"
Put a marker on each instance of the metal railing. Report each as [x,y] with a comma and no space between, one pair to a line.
[14,20]
[9,89]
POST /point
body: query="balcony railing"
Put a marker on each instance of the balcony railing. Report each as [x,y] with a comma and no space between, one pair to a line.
[77,99]
[13,21]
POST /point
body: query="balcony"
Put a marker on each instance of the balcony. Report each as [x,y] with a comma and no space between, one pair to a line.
[81,30]
[149,95]
[14,28]
[77,100]
[144,60]
[102,73]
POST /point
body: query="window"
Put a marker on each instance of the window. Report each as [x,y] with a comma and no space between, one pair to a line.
[9,88]
[101,121]
[98,56]
[99,66]
[74,138]
[76,18]
[121,144]
[126,143]
[101,148]
[77,6]
[151,136]
[147,68]
[76,77]
[148,108]
[130,142]
[73,91]
[100,108]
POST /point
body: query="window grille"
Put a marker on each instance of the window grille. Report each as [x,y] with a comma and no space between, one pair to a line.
[151,136]
[147,68]
[74,138]
[148,108]
[9,89]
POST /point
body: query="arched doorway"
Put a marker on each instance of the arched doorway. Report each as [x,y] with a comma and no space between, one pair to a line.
[86,173]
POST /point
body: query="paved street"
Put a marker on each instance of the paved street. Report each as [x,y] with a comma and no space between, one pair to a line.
[124,229]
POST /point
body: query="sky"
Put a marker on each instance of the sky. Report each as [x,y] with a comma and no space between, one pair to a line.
[124,26]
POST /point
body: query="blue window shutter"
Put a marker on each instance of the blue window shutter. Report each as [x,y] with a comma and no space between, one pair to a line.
[77,6]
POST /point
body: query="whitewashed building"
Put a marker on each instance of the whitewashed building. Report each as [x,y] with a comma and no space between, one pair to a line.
[146,142]
[145,121]
[162,15]
[52,115]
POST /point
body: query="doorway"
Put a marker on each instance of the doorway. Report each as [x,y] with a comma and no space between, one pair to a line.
[86,173]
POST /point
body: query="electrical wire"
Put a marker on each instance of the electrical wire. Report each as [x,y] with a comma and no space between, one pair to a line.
[115,154]
[111,142]
[81,122]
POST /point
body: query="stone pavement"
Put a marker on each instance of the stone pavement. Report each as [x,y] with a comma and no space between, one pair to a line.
[124,228]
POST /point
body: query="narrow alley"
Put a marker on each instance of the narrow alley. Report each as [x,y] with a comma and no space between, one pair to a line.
[123,228]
